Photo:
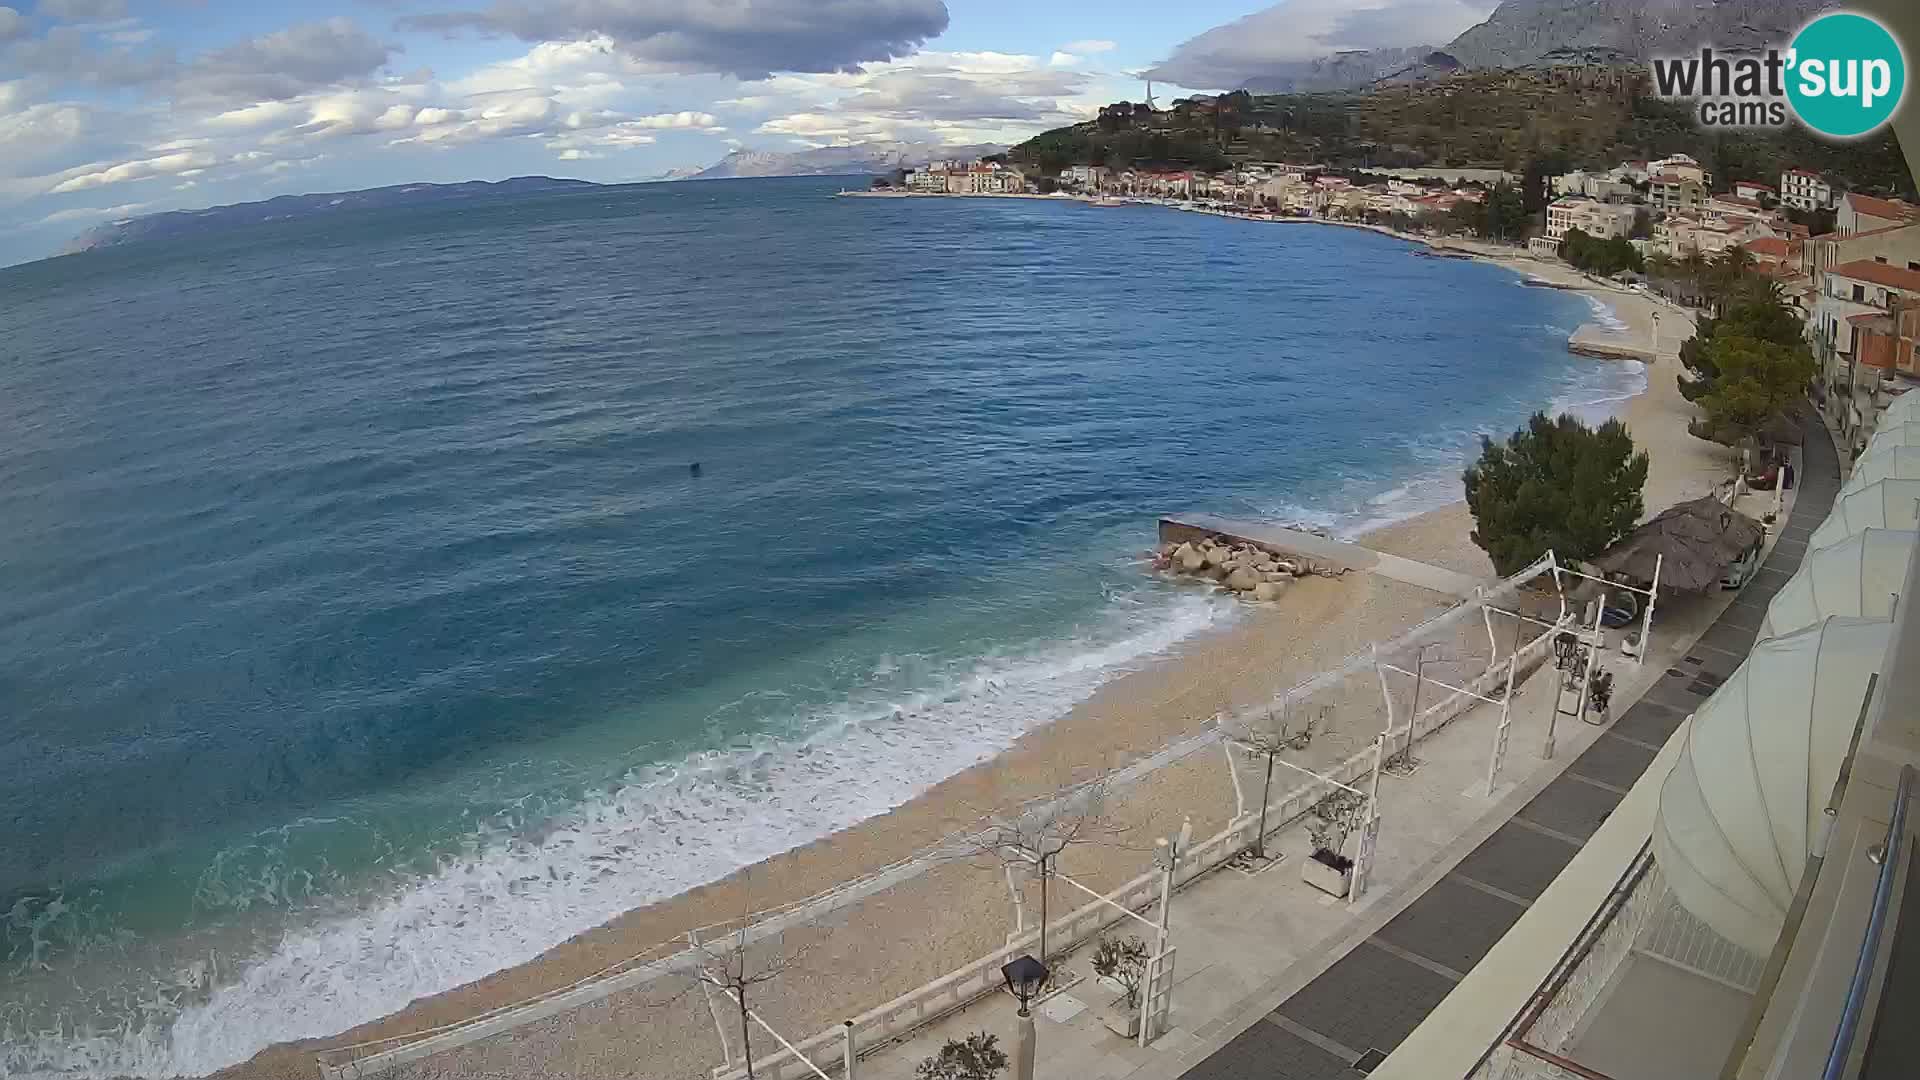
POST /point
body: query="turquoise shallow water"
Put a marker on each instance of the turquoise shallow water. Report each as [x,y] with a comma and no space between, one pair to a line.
[366,631]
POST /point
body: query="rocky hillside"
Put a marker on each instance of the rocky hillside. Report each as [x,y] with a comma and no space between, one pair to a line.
[862,159]
[1524,32]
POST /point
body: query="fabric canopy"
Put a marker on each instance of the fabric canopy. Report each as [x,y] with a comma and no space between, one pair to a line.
[1742,807]
[1904,409]
[1885,504]
[1885,463]
[1859,576]
[1907,434]
[1691,542]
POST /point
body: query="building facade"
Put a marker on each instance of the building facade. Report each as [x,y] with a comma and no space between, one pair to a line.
[1805,190]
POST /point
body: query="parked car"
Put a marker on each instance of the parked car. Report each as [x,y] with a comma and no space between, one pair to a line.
[1740,569]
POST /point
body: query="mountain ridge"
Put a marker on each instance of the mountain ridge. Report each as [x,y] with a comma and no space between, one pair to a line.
[172,223]
[865,158]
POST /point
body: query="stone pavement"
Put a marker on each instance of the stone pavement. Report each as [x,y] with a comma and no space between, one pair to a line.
[1347,1019]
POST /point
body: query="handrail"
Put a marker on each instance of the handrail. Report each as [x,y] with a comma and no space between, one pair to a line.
[1863,965]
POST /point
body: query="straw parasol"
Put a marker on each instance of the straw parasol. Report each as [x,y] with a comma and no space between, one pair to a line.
[1694,542]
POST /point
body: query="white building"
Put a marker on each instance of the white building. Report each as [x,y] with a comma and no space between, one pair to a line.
[1602,220]
[1804,190]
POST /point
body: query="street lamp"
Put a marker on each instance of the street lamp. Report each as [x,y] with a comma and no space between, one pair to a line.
[1025,976]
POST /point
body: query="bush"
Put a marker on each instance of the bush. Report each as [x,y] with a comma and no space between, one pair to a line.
[976,1057]
[1125,962]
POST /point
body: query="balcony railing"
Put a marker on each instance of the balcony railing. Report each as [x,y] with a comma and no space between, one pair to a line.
[1889,854]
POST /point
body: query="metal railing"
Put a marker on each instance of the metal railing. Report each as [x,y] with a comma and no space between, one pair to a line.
[1889,852]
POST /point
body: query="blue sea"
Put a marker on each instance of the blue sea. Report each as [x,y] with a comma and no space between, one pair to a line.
[364,628]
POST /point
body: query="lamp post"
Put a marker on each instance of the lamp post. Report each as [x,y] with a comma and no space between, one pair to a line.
[1025,976]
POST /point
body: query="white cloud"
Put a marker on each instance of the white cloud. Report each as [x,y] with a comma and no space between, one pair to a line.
[951,97]
[1063,59]
[1269,43]
[12,24]
[91,213]
[1088,46]
[176,163]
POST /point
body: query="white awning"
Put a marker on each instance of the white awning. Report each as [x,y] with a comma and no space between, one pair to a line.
[1886,463]
[1885,504]
[1904,409]
[1742,807]
[1859,576]
[1907,434]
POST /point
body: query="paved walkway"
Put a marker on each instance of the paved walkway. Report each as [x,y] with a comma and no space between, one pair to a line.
[1334,553]
[1345,1021]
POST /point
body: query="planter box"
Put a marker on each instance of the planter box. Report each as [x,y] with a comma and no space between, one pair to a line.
[1121,1020]
[1322,875]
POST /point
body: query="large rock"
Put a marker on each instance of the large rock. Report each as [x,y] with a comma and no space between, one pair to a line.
[1190,559]
[1216,556]
[1243,580]
[1267,590]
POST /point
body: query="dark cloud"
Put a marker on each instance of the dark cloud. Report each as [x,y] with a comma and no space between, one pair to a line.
[83,10]
[749,39]
[69,54]
[283,64]
[1296,32]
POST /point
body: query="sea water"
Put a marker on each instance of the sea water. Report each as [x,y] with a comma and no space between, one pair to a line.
[366,627]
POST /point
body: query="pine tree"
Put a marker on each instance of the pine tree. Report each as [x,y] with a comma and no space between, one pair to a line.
[1555,484]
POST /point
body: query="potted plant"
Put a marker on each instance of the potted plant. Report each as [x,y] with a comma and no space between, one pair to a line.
[976,1057]
[1125,962]
[1329,868]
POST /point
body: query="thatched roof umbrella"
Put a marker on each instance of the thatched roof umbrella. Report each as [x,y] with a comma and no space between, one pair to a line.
[1693,542]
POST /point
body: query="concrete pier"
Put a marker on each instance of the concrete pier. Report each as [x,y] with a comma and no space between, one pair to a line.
[1320,552]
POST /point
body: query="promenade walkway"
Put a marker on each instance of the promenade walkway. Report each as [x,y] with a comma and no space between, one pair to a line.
[1343,1022]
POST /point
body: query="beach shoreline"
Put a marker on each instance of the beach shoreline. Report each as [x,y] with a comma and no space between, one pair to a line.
[1133,715]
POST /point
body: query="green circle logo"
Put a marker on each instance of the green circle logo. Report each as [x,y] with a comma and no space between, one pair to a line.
[1845,75]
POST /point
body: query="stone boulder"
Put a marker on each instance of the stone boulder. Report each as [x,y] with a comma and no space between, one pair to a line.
[1267,590]
[1243,580]
[1190,558]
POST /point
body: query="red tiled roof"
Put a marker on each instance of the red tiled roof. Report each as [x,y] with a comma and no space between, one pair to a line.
[1737,201]
[1752,184]
[1892,277]
[1804,172]
[1771,246]
[1890,209]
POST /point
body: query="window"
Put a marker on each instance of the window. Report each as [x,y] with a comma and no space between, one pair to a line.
[1860,294]
[1881,259]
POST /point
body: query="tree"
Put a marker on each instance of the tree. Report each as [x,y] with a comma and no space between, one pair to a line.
[1642,224]
[1755,381]
[1506,213]
[976,1057]
[1268,738]
[1557,485]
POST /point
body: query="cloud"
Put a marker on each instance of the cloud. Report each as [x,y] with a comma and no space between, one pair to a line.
[12,24]
[748,39]
[1298,31]
[284,64]
[71,54]
[83,10]
[1063,59]
[90,213]
[943,97]
[179,162]
[1088,46]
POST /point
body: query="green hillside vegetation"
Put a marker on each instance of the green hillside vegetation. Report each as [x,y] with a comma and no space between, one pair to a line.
[1551,120]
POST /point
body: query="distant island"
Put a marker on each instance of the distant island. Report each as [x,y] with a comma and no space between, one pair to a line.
[175,223]
[865,158]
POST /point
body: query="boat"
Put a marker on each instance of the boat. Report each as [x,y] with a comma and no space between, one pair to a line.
[1107,202]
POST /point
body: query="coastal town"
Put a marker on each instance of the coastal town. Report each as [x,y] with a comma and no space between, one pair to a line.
[1848,263]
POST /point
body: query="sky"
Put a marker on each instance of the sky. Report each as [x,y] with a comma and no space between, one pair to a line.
[116,108]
